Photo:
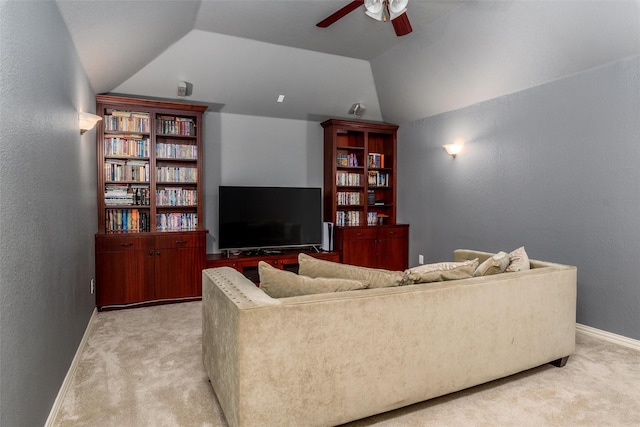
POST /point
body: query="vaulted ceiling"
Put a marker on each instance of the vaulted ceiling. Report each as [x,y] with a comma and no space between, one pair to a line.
[240,55]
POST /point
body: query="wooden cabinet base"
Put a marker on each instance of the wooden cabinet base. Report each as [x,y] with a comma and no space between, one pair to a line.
[149,268]
[384,246]
[248,264]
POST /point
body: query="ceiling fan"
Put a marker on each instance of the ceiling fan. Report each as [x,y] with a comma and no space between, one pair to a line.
[380,10]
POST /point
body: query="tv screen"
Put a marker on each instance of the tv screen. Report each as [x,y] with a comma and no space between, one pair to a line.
[269,217]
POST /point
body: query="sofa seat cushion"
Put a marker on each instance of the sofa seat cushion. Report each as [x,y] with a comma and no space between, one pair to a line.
[282,284]
[375,277]
[442,271]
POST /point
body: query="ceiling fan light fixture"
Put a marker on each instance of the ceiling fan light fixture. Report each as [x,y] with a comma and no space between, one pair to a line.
[394,15]
[374,9]
[397,8]
[373,6]
[378,16]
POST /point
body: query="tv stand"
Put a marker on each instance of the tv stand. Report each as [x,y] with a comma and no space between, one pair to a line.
[247,262]
[272,252]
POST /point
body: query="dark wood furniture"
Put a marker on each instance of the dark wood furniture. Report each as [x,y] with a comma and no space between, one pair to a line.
[150,247]
[383,246]
[149,268]
[360,193]
[248,264]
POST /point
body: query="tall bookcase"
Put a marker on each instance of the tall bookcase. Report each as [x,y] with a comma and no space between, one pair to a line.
[150,245]
[360,193]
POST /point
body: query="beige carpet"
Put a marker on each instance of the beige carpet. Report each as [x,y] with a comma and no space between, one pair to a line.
[142,367]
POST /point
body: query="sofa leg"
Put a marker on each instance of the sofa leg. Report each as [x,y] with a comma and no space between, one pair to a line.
[559,363]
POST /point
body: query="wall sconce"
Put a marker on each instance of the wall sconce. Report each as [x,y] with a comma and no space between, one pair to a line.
[453,149]
[87,121]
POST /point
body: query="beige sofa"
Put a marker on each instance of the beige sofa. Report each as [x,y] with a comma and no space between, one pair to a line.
[326,359]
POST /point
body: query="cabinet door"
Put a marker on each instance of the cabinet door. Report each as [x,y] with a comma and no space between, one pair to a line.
[393,249]
[124,277]
[359,247]
[177,273]
[180,259]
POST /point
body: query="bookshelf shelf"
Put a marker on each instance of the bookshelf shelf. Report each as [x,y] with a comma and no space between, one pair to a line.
[149,157]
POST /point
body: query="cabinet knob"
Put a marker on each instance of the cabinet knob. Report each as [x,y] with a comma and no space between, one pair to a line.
[150,253]
[158,253]
[126,244]
[178,242]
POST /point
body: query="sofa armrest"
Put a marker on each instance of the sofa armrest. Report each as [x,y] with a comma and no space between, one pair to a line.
[226,296]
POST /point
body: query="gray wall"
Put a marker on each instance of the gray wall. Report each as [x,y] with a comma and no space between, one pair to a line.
[555,168]
[47,210]
[257,151]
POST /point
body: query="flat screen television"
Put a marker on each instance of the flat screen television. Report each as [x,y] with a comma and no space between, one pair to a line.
[269,217]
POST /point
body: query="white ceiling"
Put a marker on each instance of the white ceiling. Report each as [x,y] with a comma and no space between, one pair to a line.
[239,55]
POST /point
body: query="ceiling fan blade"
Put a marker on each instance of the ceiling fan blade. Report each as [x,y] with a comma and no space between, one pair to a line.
[341,13]
[402,25]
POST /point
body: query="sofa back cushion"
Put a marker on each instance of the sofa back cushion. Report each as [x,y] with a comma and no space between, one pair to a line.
[442,271]
[375,277]
[496,264]
[281,283]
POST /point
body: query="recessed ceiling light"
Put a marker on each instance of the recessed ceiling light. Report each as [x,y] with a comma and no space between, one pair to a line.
[280,98]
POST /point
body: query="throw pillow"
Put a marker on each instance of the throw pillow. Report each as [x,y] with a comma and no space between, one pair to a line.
[442,271]
[518,260]
[281,283]
[376,278]
[493,265]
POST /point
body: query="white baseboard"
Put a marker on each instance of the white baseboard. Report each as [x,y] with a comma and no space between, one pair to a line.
[70,373]
[608,336]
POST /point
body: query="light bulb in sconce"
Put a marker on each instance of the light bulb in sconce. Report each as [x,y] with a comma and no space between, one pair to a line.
[453,149]
[87,121]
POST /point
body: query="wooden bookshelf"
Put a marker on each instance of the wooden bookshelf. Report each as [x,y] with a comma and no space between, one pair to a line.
[360,173]
[149,158]
[360,193]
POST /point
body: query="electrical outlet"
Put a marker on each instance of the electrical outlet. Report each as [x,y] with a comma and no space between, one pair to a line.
[420,259]
[93,286]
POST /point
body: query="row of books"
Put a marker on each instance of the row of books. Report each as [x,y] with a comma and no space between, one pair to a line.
[176,196]
[120,145]
[347,159]
[345,218]
[348,179]
[378,179]
[376,160]
[177,174]
[176,221]
[127,220]
[374,218]
[126,170]
[346,198]
[123,194]
[171,125]
[127,121]
[176,151]
[371,197]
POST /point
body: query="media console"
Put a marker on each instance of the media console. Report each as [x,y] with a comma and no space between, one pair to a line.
[247,264]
